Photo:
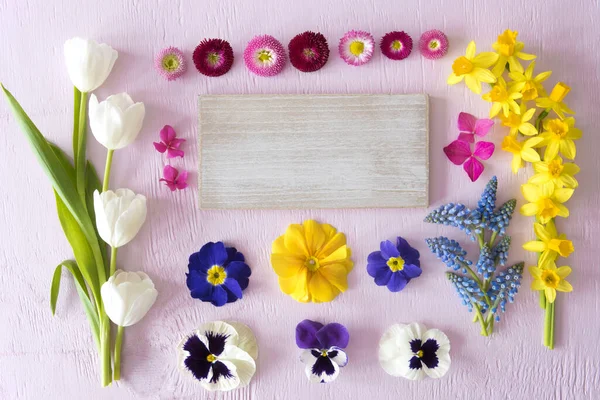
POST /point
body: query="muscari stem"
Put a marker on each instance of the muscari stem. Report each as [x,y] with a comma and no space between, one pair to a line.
[107,168]
[118,345]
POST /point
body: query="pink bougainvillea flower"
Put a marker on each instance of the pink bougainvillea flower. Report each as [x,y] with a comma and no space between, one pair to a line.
[459,153]
[169,142]
[356,47]
[213,57]
[469,126]
[170,63]
[174,179]
[433,44]
[396,45]
[309,51]
[264,56]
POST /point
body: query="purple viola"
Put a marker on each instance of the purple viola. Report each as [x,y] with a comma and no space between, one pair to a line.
[322,344]
[394,265]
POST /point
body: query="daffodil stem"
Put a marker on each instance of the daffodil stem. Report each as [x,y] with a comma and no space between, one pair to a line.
[542,299]
[540,119]
[107,168]
[549,325]
[80,158]
[113,260]
[118,345]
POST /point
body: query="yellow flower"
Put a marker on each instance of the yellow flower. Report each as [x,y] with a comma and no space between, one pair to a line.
[549,243]
[520,123]
[556,172]
[528,85]
[502,98]
[522,151]
[550,279]
[312,262]
[473,68]
[509,49]
[555,100]
[559,135]
[545,201]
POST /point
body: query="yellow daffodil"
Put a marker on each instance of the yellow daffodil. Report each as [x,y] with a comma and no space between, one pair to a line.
[556,172]
[509,50]
[545,201]
[549,243]
[558,136]
[473,69]
[550,279]
[555,100]
[502,99]
[520,122]
[312,261]
[521,151]
[529,86]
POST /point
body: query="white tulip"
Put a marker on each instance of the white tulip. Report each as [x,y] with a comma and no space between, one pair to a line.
[88,63]
[119,215]
[127,297]
[116,121]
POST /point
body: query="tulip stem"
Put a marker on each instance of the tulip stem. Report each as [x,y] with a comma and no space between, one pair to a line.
[105,352]
[113,260]
[107,167]
[118,344]
[80,158]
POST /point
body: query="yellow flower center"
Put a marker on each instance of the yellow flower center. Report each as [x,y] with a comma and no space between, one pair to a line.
[562,247]
[170,63]
[555,168]
[529,91]
[434,44]
[511,145]
[462,66]
[550,278]
[211,358]
[216,275]
[506,42]
[512,121]
[558,128]
[312,263]
[498,94]
[213,58]
[396,45]
[547,208]
[265,56]
[396,263]
[357,47]
[308,53]
[419,353]
[324,353]
[559,92]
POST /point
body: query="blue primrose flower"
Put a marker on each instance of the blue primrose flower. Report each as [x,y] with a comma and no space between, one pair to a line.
[395,265]
[217,274]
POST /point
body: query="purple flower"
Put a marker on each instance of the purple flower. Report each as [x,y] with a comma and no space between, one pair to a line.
[323,344]
[394,266]
[217,274]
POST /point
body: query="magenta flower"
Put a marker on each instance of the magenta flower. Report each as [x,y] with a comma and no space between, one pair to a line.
[309,51]
[173,179]
[170,63]
[459,153]
[469,126]
[264,56]
[433,44]
[169,142]
[213,57]
[356,47]
[396,45]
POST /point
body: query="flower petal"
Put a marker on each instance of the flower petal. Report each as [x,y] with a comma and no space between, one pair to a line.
[320,289]
[333,334]
[397,282]
[233,286]
[338,356]
[563,272]
[295,240]
[458,151]
[244,364]
[466,122]
[336,274]
[483,126]
[306,334]
[412,271]
[473,84]
[529,209]
[245,339]
[388,250]
[535,246]
[484,150]
[315,236]
[286,265]
[473,168]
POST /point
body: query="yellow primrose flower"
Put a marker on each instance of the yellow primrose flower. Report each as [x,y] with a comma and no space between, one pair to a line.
[509,49]
[502,98]
[559,135]
[550,279]
[529,86]
[555,100]
[312,262]
[473,68]
[522,151]
[549,243]
[556,172]
[545,201]
[520,123]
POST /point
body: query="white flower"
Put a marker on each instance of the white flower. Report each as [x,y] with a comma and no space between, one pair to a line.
[116,121]
[413,352]
[323,366]
[127,297]
[88,63]
[220,356]
[119,215]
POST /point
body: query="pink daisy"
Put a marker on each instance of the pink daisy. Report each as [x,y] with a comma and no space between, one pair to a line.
[396,45]
[170,63]
[308,51]
[213,57]
[356,47]
[433,44]
[264,55]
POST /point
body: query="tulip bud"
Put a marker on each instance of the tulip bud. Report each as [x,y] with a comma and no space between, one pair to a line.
[119,215]
[88,63]
[127,297]
[116,121]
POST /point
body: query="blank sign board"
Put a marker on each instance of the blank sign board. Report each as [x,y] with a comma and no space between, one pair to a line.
[313,151]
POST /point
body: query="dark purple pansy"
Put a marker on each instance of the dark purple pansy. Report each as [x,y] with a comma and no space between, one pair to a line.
[394,265]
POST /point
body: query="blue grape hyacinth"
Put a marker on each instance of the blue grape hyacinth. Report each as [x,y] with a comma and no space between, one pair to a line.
[481,287]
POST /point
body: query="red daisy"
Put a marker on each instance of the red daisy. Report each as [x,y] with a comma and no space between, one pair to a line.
[308,51]
[396,45]
[213,57]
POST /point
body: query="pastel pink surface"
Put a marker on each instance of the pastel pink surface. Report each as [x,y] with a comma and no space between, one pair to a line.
[54,358]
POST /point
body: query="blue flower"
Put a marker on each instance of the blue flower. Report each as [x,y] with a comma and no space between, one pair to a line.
[217,274]
[500,251]
[486,265]
[501,218]
[394,265]
[450,252]
[457,215]
[487,202]
[468,290]
[505,286]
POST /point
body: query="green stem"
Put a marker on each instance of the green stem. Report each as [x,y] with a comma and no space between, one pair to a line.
[540,118]
[484,331]
[551,341]
[105,352]
[479,283]
[80,158]
[542,299]
[492,239]
[107,167]
[113,260]
[76,107]
[118,344]
[549,325]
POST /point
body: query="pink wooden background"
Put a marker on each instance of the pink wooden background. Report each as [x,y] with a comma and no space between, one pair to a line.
[54,358]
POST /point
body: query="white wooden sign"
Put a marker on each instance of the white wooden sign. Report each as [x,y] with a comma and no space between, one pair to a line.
[313,151]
